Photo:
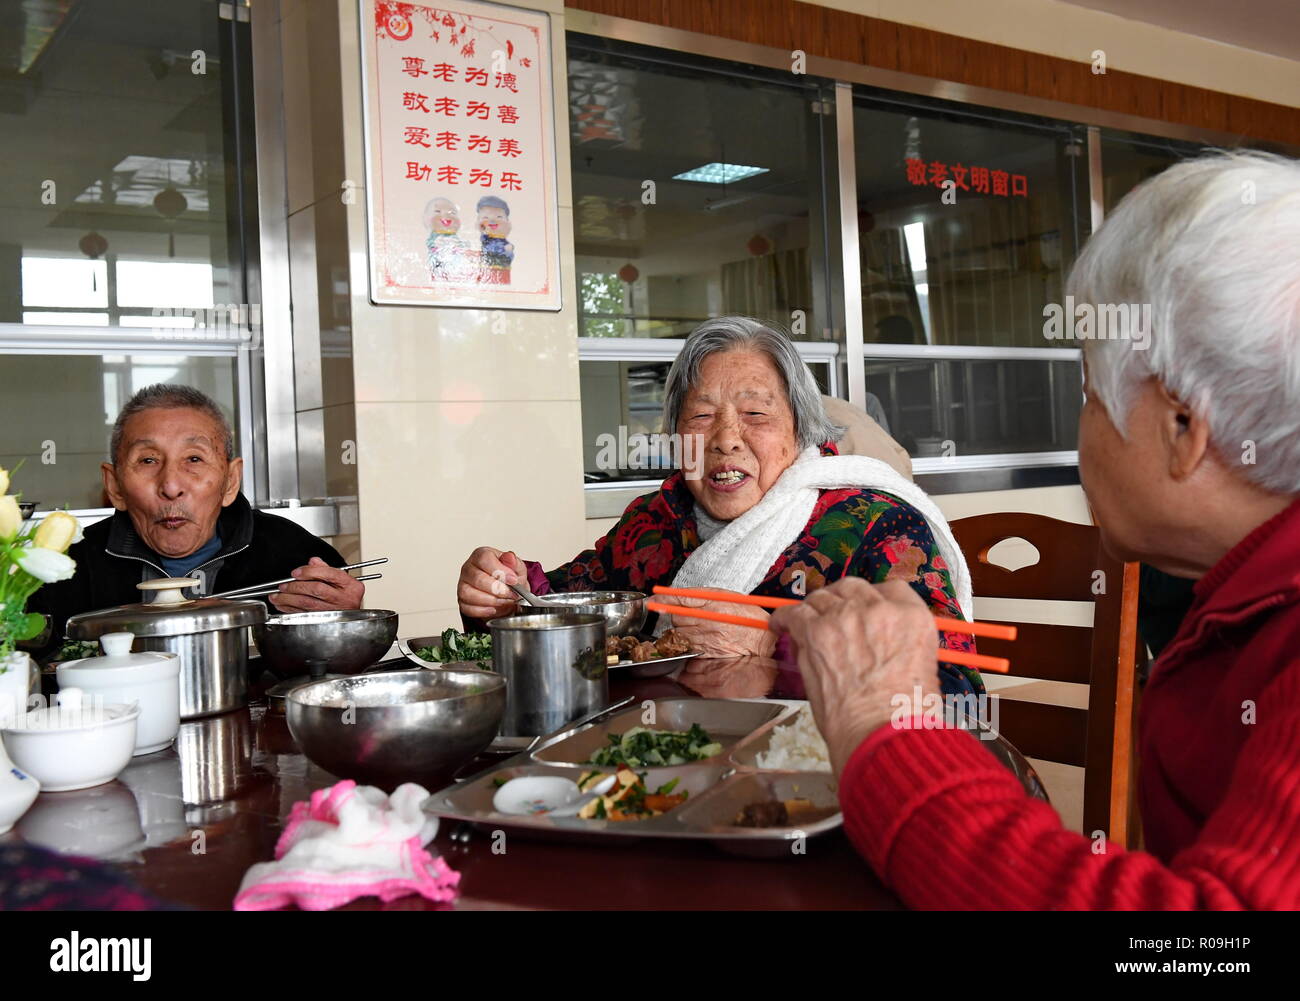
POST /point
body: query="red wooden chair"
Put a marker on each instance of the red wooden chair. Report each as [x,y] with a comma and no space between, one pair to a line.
[1072,566]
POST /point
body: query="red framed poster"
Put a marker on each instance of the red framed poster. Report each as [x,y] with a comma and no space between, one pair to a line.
[460,155]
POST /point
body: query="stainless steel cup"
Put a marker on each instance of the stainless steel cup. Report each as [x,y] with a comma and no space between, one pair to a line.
[554,666]
[214,669]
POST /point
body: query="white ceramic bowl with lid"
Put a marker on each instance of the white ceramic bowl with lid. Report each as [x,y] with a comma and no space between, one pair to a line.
[73,745]
[152,680]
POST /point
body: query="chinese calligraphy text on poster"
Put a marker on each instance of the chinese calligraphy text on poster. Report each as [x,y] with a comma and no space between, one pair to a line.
[460,155]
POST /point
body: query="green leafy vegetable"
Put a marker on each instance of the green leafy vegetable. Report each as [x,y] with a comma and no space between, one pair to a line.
[640,748]
[458,646]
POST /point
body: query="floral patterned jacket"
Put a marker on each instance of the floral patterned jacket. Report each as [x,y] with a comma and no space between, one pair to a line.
[852,532]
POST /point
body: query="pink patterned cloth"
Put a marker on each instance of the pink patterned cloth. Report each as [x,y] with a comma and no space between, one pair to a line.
[351,841]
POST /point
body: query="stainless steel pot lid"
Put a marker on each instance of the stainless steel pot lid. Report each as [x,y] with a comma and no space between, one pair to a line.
[169,614]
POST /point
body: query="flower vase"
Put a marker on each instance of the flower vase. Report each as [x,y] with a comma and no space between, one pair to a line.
[17,673]
[17,789]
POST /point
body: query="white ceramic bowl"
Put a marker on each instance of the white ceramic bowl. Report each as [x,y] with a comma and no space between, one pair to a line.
[151,680]
[74,745]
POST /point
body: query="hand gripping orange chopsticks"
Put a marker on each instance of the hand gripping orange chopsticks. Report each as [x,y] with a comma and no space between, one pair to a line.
[998,665]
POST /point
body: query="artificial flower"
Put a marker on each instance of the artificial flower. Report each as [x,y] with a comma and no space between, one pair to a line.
[45,565]
[57,531]
[11,518]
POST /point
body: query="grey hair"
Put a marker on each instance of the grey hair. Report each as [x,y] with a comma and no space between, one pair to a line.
[731,333]
[172,397]
[1211,244]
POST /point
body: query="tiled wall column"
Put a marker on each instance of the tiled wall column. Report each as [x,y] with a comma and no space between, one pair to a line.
[468,432]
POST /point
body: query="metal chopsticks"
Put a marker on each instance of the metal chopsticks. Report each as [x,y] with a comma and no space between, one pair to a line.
[257,590]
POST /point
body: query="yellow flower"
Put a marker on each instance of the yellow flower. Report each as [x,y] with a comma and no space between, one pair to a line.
[10,517]
[57,531]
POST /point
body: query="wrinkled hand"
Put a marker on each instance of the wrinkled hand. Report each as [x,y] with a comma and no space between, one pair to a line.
[318,586]
[720,639]
[859,645]
[480,593]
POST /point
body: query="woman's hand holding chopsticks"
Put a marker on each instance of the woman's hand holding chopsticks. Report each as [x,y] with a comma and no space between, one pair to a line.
[859,645]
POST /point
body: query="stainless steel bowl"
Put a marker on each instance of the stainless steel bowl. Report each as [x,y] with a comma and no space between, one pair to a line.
[623,611]
[340,641]
[397,726]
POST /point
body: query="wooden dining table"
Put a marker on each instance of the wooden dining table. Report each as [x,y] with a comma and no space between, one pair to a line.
[185,824]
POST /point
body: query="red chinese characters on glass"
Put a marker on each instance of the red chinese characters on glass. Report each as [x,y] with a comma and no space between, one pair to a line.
[983,180]
[412,101]
[414,66]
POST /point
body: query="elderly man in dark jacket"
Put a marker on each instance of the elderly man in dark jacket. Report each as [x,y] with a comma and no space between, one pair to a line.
[175,482]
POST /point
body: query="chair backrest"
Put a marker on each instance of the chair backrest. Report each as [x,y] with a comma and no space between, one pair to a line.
[1072,566]
[863,436]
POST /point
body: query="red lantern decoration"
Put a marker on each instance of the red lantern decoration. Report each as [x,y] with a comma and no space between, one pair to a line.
[92,245]
[628,273]
[759,245]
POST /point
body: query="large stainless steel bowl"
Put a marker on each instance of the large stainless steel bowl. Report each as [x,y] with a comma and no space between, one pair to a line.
[339,641]
[392,727]
[623,611]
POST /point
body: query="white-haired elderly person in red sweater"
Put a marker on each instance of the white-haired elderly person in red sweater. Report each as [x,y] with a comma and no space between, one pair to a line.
[1189,453]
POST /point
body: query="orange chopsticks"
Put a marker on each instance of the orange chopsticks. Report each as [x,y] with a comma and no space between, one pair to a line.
[998,665]
[988,629]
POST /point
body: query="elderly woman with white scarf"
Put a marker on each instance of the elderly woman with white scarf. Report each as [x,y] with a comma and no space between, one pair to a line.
[763,505]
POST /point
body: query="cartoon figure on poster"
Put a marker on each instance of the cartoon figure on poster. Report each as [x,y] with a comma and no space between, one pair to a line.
[497,252]
[450,258]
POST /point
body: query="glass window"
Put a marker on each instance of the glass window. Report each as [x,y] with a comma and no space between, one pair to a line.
[697,191]
[978,407]
[967,226]
[124,214]
[1128,160]
[63,407]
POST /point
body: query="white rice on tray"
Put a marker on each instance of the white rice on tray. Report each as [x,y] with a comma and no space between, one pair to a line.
[797,746]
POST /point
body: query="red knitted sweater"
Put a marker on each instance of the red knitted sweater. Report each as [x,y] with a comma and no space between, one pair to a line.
[947,826]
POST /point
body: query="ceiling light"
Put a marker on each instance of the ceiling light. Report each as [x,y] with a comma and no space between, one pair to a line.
[719,173]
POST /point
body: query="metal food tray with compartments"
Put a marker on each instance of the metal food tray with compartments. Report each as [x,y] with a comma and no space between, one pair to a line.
[719,787]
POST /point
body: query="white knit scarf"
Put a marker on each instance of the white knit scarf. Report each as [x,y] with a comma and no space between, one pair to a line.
[739,556]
